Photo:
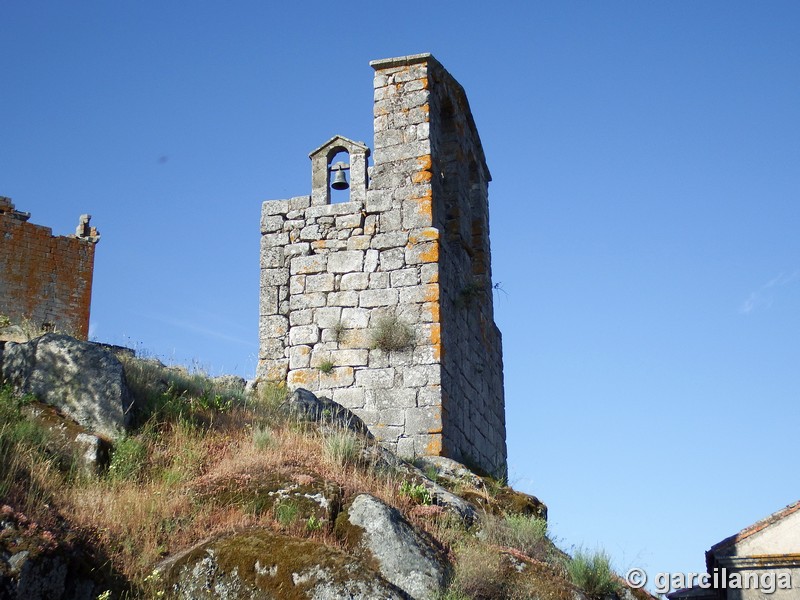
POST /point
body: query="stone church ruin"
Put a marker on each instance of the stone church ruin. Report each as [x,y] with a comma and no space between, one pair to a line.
[384,302]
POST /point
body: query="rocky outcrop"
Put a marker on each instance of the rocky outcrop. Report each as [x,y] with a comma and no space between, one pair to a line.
[83,380]
[86,451]
[405,556]
[261,564]
[295,498]
[36,565]
[305,406]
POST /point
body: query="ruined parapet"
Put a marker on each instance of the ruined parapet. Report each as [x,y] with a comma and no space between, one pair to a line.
[45,280]
[384,302]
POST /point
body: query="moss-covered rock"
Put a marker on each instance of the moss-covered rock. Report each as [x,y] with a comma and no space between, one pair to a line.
[506,501]
[261,564]
[291,498]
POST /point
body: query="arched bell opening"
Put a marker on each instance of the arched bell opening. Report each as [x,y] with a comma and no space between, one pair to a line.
[339,171]
[339,175]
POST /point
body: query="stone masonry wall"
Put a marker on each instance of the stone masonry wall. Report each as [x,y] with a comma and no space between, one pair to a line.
[43,278]
[409,247]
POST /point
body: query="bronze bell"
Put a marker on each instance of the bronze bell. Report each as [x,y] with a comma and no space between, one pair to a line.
[340,181]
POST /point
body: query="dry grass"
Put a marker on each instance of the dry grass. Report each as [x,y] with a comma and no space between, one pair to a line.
[390,333]
[149,504]
[479,573]
[170,481]
[525,534]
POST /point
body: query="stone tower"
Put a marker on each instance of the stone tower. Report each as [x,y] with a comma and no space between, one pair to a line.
[45,280]
[383,302]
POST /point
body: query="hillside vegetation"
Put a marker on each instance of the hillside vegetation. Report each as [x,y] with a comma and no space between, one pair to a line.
[204,457]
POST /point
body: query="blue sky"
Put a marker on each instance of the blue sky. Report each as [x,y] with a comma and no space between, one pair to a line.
[644,214]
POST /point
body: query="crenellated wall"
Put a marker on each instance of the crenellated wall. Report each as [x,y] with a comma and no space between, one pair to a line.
[407,250]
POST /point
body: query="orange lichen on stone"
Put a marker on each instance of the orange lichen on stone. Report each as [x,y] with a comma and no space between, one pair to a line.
[326,244]
[340,376]
[432,293]
[430,277]
[436,335]
[45,279]
[424,204]
[421,176]
[302,377]
[425,208]
[431,254]
[424,81]
[425,173]
[276,373]
[428,234]
[431,311]
[434,447]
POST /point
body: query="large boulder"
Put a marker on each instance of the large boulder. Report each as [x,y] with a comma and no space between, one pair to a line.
[305,406]
[83,380]
[406,557]
[261,564]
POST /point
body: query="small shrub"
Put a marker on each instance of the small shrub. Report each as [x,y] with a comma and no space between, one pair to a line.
[342,447]
[416,492]
[591,571]
[262,437]
[4,322]
[390,333]
[326,367]
[313,523]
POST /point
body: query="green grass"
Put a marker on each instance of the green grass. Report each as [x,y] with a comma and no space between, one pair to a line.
[31,458]
[524,533]
[416,492]
[127,459]
[173,394]
[262,437]
[591,571]
[342,447]
[286,513]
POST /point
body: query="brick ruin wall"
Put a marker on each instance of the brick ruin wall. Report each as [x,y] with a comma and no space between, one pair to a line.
[45,279]
[412,244]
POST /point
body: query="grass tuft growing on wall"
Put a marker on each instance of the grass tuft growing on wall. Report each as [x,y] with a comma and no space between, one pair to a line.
[390,333]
